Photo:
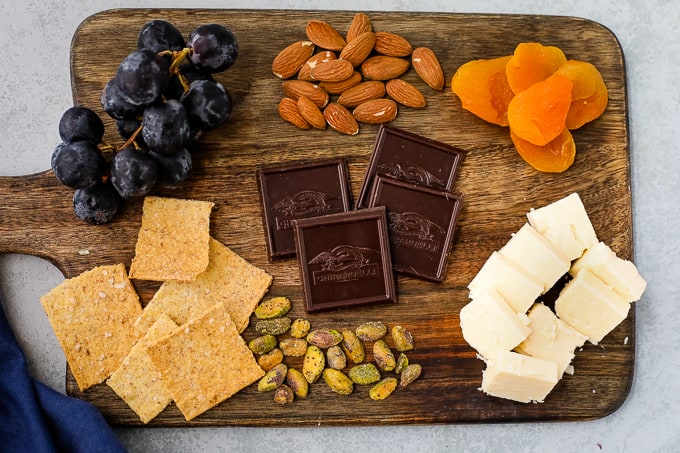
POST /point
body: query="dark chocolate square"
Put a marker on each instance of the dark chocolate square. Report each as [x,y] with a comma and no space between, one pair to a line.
[345,260]
[421,224]
[297,191]
[411,158]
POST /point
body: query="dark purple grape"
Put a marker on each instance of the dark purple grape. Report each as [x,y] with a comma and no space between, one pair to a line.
[207,104]
[78,164]
[159,35]
[80,123]
[97,204]
[194,139]
[133,172]
[142,76]
[173,169]
[165,127]
[55,154]
[214,48]
[175,89]
[127,127]
[114,103]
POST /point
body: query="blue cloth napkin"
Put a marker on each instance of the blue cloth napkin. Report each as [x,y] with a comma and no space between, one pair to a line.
[36,418]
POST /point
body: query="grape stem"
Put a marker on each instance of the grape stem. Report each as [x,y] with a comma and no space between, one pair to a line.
[177,57]
[131,139]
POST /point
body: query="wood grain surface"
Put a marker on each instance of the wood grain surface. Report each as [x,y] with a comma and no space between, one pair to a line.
[36,211]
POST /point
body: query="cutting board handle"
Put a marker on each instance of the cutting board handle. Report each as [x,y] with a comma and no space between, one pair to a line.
[32,213]
[37,218]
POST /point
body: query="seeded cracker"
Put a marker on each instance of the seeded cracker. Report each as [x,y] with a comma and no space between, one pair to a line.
[92,315]
[137,381]
[173,240]
[204,362]
[229,279]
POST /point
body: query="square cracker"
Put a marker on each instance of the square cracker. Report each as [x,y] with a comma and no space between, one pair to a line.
[138,381]
[173,240]
[93,317]
[229,279]
[204,362]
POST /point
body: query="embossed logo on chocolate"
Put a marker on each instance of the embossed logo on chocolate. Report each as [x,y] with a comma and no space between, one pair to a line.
[412,230]
[303,204]
[412,174]
[344,263]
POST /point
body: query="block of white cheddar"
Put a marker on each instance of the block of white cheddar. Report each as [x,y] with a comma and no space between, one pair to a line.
[620,274]
[519,377]
[591,306]
[550,338]
[532,252]
[489,325]
[519,288]
[566,225]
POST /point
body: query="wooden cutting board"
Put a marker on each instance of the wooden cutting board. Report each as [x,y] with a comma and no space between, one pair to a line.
[36,215]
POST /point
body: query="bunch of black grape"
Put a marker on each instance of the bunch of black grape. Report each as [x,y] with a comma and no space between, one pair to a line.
[162,97]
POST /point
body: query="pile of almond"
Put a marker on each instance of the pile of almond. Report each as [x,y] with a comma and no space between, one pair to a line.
[362,69]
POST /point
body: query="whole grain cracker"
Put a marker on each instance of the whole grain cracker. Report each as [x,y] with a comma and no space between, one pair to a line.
[138,381]
[173,240]
[92,315]
[228,279]
[204,362]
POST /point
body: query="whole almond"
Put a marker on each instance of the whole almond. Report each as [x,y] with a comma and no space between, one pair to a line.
[311,113]
[405,93]
[376,111]
[392,44]
[427,67]
[360,24]
[289,61]
[288,111]
[343,85]
[296,88]
[382,67]
[332,71]
[340,119]
[358,49]
[365,91]
[324,35]
[326,55]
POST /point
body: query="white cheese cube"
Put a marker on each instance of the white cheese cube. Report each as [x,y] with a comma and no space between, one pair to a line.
[591,306]
[550,338]
[519,288]
[489,325]
[620,274]
[519,377]
[530,251]
[566,225]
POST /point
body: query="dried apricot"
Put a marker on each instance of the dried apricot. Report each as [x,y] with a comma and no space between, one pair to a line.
[538,114]
[583,75]
[585,110]
[554,157]
[540,94]
[483,89]
[532,62]
[589,95]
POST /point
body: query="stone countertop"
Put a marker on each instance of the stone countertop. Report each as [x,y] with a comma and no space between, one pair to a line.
[35,36]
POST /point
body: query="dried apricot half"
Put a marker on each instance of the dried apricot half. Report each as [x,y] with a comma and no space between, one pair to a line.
[532,62]
[589,95]
[538,114]
[554,157]
[483,89]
